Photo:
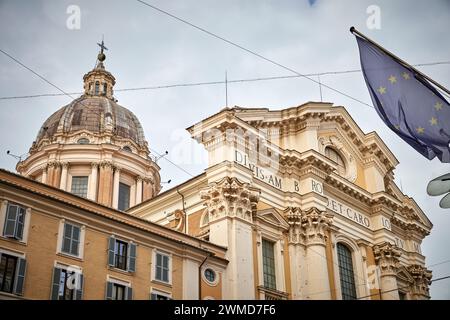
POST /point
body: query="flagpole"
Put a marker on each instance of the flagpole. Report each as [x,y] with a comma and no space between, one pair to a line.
[404,63]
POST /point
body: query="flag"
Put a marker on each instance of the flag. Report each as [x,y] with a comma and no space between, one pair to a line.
[407,102]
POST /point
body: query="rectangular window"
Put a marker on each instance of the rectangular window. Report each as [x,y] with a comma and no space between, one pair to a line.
[120,252]
[14,222]
[7,273]
[124,196]
[268,264]
[155,295]
[118,292]
[66,285]
[71,239]
[80,186]
[162,267]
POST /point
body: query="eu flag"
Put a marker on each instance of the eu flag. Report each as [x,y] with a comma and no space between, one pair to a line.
[406,102]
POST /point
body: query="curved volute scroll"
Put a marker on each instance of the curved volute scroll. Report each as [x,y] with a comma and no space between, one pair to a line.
[230,197]
[308,227]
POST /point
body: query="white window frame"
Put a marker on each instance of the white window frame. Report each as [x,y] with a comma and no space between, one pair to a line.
[164,253]
[216,279]
[59,242]
[160,292]
[278,248]
[26,223]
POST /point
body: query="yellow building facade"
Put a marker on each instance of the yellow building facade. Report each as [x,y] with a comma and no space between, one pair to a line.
[295,204]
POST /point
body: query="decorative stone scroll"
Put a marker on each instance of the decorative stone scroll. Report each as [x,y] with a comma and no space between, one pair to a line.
[229,197]
[308,227]
[387,257]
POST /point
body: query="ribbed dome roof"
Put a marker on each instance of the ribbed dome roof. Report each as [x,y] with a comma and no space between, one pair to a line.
[97,114]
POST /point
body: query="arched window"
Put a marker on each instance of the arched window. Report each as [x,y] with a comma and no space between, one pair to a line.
[346,274]
[97,87]
[333,155]
[83,141]
[105,86]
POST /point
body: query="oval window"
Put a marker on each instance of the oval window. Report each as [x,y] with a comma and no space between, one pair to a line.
[127,148]
[210,275]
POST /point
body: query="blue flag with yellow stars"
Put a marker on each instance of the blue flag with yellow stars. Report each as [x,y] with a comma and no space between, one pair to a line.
[406,102]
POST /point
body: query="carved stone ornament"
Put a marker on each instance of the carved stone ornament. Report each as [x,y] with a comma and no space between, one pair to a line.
[387,257]
[422,280]
[308,227]
[229,197]
[349,160]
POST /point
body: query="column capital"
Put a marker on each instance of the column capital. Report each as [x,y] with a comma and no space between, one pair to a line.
[308,227]
[106,164]
[230,197]
[422,280]
[64,164]
[140,179]
[53,164]
[387,257]
[94,165]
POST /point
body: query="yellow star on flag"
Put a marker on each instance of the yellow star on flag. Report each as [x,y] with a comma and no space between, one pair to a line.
[406,75]
[420,130]
[392,79]
[381,90]
[438,106]
[433,121]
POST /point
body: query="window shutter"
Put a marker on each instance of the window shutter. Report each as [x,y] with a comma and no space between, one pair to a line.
[20,219]
[152,296]
[75,240]
[67,238]
[111,251]
[132,257]
[20,276]
[55,283]
[10,223]
[79,290]
[109,290]
[129,293]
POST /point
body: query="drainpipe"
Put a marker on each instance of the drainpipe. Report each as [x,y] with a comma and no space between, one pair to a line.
[200,275]
[184,210]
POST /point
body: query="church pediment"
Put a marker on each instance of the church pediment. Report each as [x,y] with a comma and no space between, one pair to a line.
[272,217]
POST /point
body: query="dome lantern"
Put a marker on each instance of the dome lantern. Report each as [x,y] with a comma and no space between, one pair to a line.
[99,82]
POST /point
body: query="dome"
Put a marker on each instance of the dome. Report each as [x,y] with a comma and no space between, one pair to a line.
[96,114]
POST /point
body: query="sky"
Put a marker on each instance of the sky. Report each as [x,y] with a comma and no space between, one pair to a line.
[147,49]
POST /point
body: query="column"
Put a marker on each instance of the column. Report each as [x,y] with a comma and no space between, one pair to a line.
[315,225]
[105,183]
[63,182]
[138,190]
[231,205]
[386,257]
[147,192]
[92,192]
[44,174]
[116,180]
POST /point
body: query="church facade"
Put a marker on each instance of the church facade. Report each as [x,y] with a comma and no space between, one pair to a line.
[295,204]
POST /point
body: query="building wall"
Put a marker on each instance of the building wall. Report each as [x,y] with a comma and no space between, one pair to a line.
[41,251]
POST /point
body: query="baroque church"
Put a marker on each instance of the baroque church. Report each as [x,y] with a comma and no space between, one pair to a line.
[295,204]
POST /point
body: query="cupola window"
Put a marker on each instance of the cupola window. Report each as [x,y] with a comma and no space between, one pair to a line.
[127,149]
[97,87]
[83,141]
[105,87]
